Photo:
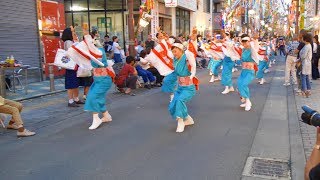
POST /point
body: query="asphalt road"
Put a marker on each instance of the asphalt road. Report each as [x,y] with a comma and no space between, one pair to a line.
[140,143]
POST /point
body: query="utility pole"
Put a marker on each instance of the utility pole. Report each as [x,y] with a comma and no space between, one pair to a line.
[131,28]
[297,17]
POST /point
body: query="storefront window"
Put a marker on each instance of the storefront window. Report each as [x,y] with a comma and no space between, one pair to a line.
[183,22]
[98,21]
[115,26]
[96,5]
[115,5]
[67,5]
[68,19]
[79,5]
[80,20]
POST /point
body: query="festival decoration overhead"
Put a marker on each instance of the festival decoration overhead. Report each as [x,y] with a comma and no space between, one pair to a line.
[145,15]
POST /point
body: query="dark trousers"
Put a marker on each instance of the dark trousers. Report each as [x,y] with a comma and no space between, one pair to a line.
[315,71]
[282,50]
[298,73]
[131,82]
[155,72]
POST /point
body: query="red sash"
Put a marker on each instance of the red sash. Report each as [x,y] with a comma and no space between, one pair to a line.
[239,50]
[169,65]
[165,52]
[92,53]
[263,53]
[192,49]
[195,80]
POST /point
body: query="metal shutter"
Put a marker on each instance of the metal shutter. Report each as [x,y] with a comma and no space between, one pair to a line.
[19,32]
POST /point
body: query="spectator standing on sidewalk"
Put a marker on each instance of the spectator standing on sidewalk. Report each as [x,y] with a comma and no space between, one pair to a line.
[291,62]
[306,58]
[298,64]
[312,168]
[14,109]
[315,58]
[116,50]
[71,79]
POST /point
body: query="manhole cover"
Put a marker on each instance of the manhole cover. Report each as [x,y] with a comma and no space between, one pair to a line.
[267,168]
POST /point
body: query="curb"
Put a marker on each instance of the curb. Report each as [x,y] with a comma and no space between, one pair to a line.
[271,141]
[39,95]
[297,154]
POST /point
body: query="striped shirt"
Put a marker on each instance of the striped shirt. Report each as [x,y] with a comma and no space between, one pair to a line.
[293,45]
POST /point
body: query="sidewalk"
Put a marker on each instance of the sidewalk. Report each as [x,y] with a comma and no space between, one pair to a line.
[308,132]
[282,143]
[37,89]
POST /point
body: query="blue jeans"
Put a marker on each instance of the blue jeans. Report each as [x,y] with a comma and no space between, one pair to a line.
[117,58]
[147,76]
[305,82]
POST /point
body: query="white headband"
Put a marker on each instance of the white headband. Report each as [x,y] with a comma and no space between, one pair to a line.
[178,45]
[245,39]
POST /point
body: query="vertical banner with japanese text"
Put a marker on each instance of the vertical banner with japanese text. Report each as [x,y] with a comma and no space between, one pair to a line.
[155,18]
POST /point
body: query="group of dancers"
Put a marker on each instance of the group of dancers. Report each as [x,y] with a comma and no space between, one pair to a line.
[253,55]
[176,61]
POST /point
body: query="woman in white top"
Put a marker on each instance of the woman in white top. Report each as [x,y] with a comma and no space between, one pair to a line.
[305,58]
[116,50]
[315,58]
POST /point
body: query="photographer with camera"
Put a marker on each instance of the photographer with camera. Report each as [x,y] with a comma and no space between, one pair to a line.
[312,168]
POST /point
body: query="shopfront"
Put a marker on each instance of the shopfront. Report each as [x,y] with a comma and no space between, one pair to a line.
[183,16]
[182,22]
[165,18]
[108,16]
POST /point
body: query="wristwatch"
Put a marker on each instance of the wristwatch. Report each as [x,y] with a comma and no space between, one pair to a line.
[317,147]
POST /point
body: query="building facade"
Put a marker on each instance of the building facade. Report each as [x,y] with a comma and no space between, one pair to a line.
[30,29]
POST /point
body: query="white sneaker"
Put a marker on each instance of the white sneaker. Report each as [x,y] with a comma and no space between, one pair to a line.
[226,91]
[106,117]
[212,79]
[180,126]
[96,122]
[189,121]
[243,105]
[286,84]
[248,106]
[231,89]
[262,81]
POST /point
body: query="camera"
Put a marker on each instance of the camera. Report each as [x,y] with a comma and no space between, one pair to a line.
[310,116]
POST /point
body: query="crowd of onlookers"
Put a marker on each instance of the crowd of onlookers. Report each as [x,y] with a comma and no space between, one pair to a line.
[302,61]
